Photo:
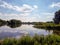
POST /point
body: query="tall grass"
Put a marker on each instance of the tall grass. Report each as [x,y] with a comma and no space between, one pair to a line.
[35,40]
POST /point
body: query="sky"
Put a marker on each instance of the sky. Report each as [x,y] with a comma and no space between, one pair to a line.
[29,10]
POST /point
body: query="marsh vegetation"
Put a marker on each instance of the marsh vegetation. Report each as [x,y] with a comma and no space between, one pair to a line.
[48,26]
[35,40]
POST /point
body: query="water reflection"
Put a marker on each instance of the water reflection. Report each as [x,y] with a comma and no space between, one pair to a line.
[57,32]
[10,24]
[7,32]
[2,25]
[14,25]
[16,31]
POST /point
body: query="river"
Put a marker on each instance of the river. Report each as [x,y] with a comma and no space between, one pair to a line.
[8,32]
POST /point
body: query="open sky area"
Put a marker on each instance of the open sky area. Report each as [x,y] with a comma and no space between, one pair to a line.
[29,10]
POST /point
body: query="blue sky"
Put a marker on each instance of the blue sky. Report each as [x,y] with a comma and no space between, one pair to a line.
[29,10]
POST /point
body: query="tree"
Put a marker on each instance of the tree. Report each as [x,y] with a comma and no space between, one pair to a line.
[2,22]
[57,17]
[14,23]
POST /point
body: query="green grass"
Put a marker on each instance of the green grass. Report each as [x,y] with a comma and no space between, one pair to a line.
[35,40]
[47,26]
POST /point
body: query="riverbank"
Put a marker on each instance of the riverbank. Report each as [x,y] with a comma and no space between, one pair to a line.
[48,26]
[36,40]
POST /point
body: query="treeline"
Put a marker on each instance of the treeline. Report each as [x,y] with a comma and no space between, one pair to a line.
[2,22]
[12,23]
[47,25]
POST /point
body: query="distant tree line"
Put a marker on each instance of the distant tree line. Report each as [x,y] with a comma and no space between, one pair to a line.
[14,23]
[11,23]
[2,22]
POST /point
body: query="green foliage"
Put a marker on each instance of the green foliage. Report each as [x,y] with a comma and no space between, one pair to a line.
[25,40]
[35,40]
[47,26]
[2,22]
[57,17]
[14,23]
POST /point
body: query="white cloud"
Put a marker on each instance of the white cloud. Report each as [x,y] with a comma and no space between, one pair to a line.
[55,5]
[25,14]
[21,17]
[28,6]
[35,6]
[47,16]
[23,8]
[36,17]
[48,13]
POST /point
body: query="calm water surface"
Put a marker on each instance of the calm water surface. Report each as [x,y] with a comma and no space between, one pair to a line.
[7,32]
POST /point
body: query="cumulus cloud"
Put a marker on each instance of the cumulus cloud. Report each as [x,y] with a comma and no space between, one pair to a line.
[48,13]
[55,5]
[5,16]
[23,8]
[35,6]
[48,16]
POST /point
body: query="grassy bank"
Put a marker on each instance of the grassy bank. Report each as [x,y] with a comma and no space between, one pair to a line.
[47,26]
[36,40]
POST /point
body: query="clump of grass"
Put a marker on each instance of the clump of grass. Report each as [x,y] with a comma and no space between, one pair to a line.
[35,40]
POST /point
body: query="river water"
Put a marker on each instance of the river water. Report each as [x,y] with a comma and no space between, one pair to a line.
[8,32]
